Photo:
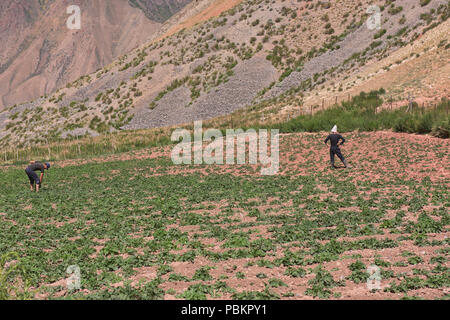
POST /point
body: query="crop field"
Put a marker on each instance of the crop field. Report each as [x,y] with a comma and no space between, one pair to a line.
[140,227]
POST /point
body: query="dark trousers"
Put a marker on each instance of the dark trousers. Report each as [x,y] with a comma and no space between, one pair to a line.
[336,151]
[32,176]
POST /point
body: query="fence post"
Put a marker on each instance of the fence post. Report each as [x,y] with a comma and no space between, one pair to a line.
[410,102]
[111,141]
[49,152]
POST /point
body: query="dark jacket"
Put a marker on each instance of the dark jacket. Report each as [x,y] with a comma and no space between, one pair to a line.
[334,139]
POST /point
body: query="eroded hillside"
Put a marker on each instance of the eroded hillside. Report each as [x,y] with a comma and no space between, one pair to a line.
[271,55]
[40,54]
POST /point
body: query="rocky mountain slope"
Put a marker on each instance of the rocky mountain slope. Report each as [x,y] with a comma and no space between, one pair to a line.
[159,10]
[270,56]
[40,54]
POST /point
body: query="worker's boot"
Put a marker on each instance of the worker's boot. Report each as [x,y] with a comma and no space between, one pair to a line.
[332,165]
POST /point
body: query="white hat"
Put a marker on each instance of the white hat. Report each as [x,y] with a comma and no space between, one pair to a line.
[334,129]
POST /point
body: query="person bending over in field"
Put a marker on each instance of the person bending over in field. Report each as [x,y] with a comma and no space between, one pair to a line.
[334,138]
[34,179]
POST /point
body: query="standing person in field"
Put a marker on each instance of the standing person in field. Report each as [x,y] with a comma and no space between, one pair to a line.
[334,138]
[34,179]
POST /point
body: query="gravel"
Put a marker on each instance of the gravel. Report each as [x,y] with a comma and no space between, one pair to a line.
[249,78]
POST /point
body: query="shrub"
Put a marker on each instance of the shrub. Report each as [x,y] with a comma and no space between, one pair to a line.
[442,129]
[404,124]
[379,34]
[394,10]
[424,124]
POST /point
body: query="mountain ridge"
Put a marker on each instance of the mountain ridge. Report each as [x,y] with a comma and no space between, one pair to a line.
[36,30]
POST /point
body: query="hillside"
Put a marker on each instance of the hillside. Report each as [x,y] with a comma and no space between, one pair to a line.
[272,56]
[40,54]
